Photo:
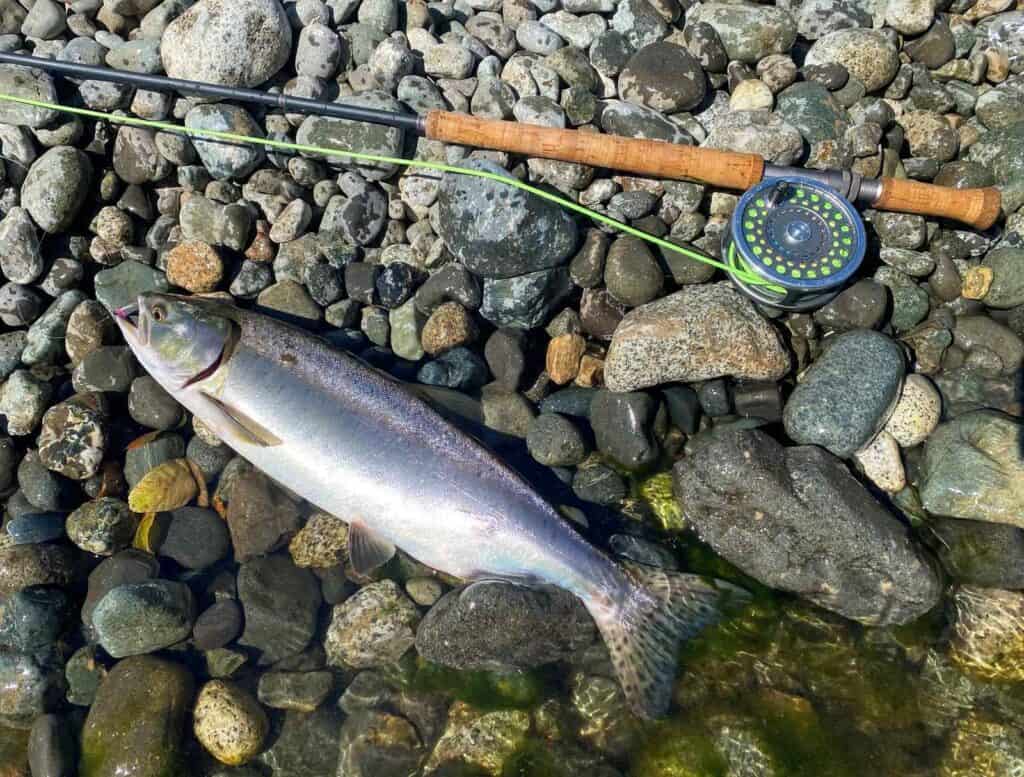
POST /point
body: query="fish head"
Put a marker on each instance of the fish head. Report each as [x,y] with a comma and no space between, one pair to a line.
[179,340]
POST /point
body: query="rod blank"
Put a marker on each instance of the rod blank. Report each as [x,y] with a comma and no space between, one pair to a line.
[409,122]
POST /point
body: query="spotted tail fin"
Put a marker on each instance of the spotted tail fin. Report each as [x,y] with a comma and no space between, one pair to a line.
[656,611]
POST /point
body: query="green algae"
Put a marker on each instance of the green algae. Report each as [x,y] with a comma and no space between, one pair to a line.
[483,690]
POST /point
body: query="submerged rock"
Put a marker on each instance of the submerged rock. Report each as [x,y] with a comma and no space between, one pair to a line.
[136,725]
[795,519]
[974,468]
[989,633]
[503,626]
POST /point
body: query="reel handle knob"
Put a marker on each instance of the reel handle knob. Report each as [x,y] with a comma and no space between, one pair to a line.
[977,207]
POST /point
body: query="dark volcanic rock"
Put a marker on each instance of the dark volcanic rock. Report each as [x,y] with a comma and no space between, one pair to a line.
[795,519]
[280,602]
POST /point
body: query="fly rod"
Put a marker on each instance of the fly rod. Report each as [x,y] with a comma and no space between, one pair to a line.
[978,208]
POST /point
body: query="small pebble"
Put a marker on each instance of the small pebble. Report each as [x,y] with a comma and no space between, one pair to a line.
[229,722]
[194,266]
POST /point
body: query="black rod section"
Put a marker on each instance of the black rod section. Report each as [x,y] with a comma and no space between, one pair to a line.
[404,121]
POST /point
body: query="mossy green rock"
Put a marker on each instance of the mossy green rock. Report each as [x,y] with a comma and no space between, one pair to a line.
[812,109]
[136,726]
[1002,152]
[1007,289]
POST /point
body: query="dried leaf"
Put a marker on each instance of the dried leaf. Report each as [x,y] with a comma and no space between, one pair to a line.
[166,487]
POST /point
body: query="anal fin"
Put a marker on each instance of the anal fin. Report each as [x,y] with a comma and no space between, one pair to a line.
[366,550]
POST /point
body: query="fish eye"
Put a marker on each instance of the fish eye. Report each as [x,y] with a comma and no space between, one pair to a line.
[159,313]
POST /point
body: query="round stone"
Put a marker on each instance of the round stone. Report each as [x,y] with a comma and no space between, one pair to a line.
[73,439]
[102,527]
[751,94]
[917,413]
[867,54]
[372,628]
[194,266]
[56,187]
[664,77]
[449,326]
[229,722]
[555,441]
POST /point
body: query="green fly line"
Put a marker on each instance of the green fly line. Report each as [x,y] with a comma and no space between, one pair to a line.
[232,137]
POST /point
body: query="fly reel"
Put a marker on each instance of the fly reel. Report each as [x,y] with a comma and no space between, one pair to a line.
[801,237]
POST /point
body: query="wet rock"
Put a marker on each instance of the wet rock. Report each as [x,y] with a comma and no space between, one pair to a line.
[833,409]
[990,555]
[128,566]
[140,459]
[33,618]
[1007,289]
[756,132]
[449,326]
[260,517]
[501,232]
[484,739]
[56,187]
[103,526]
[632,274]
[776,29]
[638,121]
[987,640]
[109,368]
[374,742]
[30,84]
[19,306]
[916,413]
[812,109]
[664,77]
[555,441]
[800,522]
[137,618]
[51,747]
[458,368]
[623,424]
[84,674]
[501,626]
[321,543]
[136,725]
[73,438]
[28,687]
[374,627]
[305,744]
[867,54]
[281,603]
[137,158]
[27,565]
[22,261]
[861,306]
[218,625]
[973,332]
[302,691]
[525,301]
[341,133]
[23,402]
[698,333]
[151,406]
[974,468]
[229,722]
[196,538]
[229,42]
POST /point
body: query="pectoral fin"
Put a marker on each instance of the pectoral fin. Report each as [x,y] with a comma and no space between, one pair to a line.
[366,550]
[232,424]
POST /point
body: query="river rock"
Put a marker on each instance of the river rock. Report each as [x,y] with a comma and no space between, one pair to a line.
[229,42]
[698,333]
[196,538]
[372,628]
[226,160]
[813,110]
[31,84]
[867,54]
[56,187]
[26,565]
[28,687]
[280,602]
[990,555]
[497,626]
[102,526]
[137,618]
[22,261]
[229,722]
[974,468]
[368,138]
[756,132]
[260,517]
[749,32]
[32,619]
[848,394]
[1007,289]
[136,725]
[501,232]
[663,76]
[795,519]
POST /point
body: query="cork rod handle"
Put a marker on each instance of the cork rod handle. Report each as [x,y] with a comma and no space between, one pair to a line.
[977,207]
[654,158]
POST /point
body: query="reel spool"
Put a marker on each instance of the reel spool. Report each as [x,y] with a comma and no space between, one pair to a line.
[802,237]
